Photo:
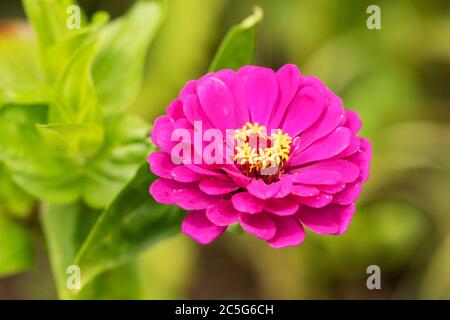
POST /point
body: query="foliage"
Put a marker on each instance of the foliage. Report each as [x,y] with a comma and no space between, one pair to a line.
[65,139]
[68,143]
[71,145]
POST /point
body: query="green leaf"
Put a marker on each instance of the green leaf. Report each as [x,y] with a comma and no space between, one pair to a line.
[12,198]
[49,19]
[22,79]
[118,68]
[121,283]
[18,135]
[41,171]
[65,228]
[16,249]
[68,151]
[132,223]
[238,47]
[126,144]
[60,54]
[58,177]
[75,98]
[77,140]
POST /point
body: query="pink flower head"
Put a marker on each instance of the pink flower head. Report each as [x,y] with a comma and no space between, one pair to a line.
[295,158]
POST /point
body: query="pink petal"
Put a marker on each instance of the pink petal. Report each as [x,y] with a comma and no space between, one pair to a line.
[282,207]
[162,190]
[161,133]
[348,195]
[261,89]
[197,226]
[366,156]
[261,225]
[222,213]
[366,146]
[329,121]
[215,187]
[207,171]
[288,81]
[304,191]
[362,159]
[352,121]
[347,169]
[175,110]
[236,175]
[188,89]
[306,107]
[160,164]
[194,112]
[289,233]
[352,148]
[217,103]
[192,199]
[180,157]
[184,174]
[332,189]
[317,176]
[319,201]
[278,189]
[244,71]
[329,172]
[324,148]
[332,219]
[236,86]
[245,202]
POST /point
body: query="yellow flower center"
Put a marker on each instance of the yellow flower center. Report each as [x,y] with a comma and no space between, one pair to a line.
[259,154]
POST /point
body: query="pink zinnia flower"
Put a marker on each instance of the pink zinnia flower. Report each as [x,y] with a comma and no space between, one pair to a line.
[296,158]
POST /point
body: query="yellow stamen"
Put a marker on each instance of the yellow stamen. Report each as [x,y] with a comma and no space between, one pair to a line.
[256,150]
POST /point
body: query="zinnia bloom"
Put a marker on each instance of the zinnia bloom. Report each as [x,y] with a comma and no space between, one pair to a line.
[296,158]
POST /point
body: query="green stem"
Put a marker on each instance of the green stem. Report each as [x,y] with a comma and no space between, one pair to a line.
[62,226]
[65,228]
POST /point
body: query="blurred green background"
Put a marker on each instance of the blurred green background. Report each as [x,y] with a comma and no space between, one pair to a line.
[397,78]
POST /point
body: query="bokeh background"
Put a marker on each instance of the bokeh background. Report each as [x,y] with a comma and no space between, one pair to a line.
[397,78]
